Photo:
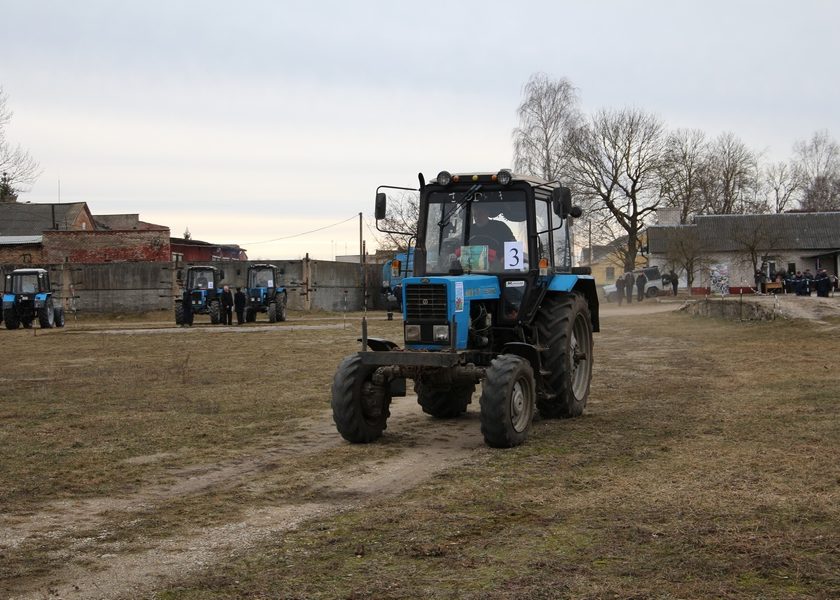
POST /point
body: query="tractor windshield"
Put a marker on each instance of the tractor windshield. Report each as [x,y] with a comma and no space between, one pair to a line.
[201,279]
[25,283]
[261,278]
[486,234]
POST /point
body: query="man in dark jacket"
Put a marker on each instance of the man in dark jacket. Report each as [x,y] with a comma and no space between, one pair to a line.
[628,286]
[186,304]
[675,281]
[239,301]
[619,289]
[641,282]
[227,306]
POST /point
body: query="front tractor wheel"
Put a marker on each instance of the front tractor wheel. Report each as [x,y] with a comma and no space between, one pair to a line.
[507,401]
[360,407]
[272,312]
[10,318]
[564,327]
[444,403]
[46,315]
[215,310]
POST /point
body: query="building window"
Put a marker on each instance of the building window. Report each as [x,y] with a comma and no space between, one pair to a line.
[791,267]
[610,273]
[26,258]
[177,257]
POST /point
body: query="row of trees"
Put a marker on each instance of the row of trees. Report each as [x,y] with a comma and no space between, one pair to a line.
[17,168]
[624,164]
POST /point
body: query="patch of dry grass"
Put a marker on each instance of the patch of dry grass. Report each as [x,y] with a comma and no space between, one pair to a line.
[705,466]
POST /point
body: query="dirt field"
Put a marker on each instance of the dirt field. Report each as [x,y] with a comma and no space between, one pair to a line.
[143,460]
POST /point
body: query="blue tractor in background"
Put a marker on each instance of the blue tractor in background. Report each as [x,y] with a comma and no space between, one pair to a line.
[494,299]
[265,294]
[393,273]
[203,290]
[27,296]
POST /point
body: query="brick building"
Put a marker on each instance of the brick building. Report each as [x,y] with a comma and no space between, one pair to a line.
[59,233]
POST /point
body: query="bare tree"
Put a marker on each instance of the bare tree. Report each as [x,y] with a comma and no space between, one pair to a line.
[817,164]
[548,112]
[616,158]
[756,239]
[683,165]
[782,184]
[730,178]
[19,170]
[403,211]
[684,250]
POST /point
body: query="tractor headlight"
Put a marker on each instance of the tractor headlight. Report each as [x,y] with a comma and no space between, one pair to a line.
[441,333]
[412,333]
[444,178]
[504,176]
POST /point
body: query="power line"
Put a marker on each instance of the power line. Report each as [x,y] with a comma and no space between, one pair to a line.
[288,237]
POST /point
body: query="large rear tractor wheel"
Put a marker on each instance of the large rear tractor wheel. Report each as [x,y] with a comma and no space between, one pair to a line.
[507,401]
[564,327]
[179,313]
[59,316]
[360,407]
[444,403]
[215,310]
[272,312]
[11,319]
[46,315]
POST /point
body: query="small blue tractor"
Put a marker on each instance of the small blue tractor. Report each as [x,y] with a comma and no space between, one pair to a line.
[203,287]
[265,294]
[393,273]
[27,295]
[494,300]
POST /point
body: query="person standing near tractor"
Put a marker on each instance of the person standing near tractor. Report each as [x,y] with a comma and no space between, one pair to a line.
[227,306]
[675,282]
[641,282]
[186,303]
[619,289]
[628,286]
[239,301]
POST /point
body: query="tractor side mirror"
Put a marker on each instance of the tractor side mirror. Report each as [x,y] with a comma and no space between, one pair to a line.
[561,199]
[381,203]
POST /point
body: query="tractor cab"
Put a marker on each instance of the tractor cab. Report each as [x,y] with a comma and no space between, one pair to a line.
[28,295]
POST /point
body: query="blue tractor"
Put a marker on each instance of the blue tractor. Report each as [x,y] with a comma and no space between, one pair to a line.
[494,300]
[203,290]
[393,273]
[27,296]
[265,294]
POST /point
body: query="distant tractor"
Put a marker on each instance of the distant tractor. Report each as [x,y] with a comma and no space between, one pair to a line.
[265,294]
[205,293]
[27,295]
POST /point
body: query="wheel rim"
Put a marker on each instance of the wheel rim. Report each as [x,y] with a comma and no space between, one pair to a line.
[520,405]
[579,349]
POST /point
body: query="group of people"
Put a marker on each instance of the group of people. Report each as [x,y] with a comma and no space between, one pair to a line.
[230,302]
[624,287]
[801,283]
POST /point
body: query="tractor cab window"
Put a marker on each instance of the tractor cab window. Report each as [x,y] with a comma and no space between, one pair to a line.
[25,284]
[201,280]
[261,278]
[484,233]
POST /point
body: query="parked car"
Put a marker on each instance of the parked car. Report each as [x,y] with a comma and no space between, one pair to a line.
[653,286]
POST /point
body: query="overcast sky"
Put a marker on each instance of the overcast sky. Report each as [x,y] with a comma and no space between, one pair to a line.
[257,120]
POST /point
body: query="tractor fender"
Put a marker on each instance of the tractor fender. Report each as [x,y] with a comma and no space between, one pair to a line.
[526,351]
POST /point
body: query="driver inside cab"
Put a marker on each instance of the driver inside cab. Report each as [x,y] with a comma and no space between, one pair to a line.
[485,231]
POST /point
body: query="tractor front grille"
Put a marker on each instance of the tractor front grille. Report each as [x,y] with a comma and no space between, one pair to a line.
[426,301]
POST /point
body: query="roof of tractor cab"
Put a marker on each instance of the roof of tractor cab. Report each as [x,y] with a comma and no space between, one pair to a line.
[28,272]
[487,177]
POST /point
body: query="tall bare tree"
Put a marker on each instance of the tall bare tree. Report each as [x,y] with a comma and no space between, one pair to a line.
[683,167]
[782,184]
[756,240]
[548,112]
[730,181]
[17,167]
[615,162]
[818,169]
[684,250]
